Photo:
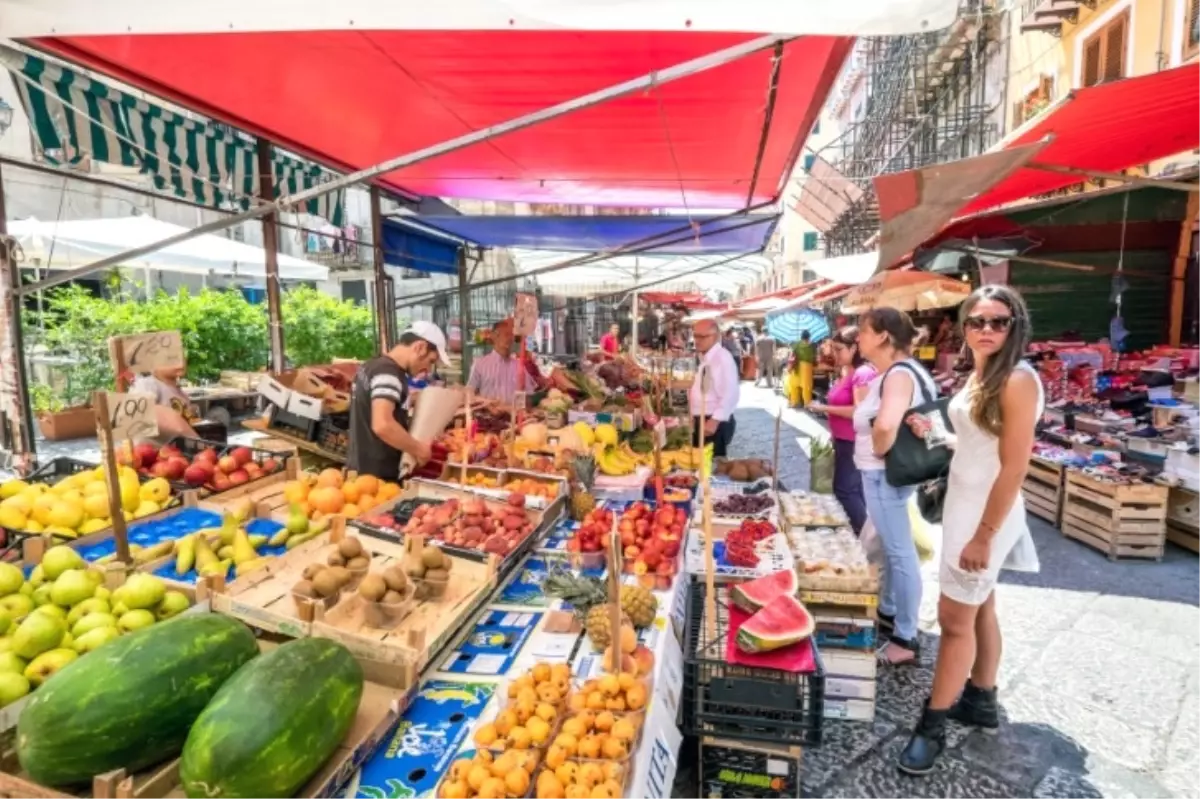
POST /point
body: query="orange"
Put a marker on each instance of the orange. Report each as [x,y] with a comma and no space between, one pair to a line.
[388,491]
[367,501]
[367,484]
[351,492]
[330,477]
[326,499]
[295,491]
[350,510]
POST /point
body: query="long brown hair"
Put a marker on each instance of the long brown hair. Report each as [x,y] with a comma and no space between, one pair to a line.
[848,338]
[985,389]
[897,325]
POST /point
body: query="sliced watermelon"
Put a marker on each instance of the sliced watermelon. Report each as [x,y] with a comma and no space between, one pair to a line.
[783,622]
[754,595]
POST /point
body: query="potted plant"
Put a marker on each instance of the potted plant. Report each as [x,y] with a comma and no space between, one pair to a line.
[56,421]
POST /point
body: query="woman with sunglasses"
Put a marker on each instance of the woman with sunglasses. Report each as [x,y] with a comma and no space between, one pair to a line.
[839,404]
[984,525]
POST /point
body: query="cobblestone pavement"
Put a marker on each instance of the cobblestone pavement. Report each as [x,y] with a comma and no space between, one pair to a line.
[1099,683]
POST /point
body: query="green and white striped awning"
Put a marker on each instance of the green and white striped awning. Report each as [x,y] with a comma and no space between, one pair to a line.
[73,117]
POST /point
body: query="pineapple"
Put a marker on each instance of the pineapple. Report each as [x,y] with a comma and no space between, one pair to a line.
[598,624]
[589,597]
[639,604]
[583,469]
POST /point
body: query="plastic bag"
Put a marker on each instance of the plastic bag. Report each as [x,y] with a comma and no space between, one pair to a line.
[821,468]
[922,535]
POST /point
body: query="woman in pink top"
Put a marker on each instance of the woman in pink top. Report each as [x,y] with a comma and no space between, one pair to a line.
[839,406]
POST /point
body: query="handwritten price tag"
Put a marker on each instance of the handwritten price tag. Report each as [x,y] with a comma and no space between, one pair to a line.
[132,416]
[146,352]
[525,315]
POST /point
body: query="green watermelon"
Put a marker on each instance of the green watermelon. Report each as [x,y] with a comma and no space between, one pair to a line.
[753,595]
[131,704]
[273,725]
[783,622]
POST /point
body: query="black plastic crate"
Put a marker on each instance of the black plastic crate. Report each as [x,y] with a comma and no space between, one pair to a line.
[333,433]
[292,424]
[743,702]
[748,769]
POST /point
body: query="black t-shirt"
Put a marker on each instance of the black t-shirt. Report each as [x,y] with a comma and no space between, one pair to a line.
[378,378]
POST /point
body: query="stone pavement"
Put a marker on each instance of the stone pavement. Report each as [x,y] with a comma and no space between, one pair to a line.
[1099,684]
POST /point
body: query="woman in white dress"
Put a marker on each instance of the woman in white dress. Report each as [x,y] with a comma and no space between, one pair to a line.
[984,524]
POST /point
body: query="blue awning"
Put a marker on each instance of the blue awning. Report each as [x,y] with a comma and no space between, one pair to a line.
[411,247]
[654,235]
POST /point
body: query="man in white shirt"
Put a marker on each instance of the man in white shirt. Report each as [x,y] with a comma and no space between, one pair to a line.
[717,380]
[497,375]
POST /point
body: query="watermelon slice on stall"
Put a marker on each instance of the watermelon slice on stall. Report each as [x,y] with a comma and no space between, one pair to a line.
[755,595]
[784,621]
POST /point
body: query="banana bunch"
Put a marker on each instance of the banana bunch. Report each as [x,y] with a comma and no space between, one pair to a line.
[679,459]
[614,462]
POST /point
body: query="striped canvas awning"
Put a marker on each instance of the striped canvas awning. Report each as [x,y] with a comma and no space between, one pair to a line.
[73,116]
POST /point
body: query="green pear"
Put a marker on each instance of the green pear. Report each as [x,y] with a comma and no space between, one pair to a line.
[67,642]
[11,662]
[95,638]
[53,610]
[103,593]
[45,665]
[41,594]
[40,632]
[11,579]
[27,589]
[37,576]
[5,622]
[91,622]
[6,644]
[59,559]
[16,606]
[85,607]
[71,588]
[13,686]
[135,620]
[142,591]
[173,603]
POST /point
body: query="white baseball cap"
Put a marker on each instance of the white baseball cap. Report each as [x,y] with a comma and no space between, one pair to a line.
[434,335]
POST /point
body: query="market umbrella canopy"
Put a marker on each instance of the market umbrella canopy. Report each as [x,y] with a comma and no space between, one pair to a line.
[788,326]
[906,290]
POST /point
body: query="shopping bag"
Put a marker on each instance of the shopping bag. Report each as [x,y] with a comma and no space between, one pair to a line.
[922,533]
[821,468]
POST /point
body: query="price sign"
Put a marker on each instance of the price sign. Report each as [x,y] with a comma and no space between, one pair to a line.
[146,352]
[654,772]
[131,416]
[525,315]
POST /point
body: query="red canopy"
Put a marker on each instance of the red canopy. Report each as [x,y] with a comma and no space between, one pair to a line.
[351,99]
[692,301]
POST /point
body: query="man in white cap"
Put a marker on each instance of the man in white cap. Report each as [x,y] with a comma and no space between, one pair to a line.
[379,434]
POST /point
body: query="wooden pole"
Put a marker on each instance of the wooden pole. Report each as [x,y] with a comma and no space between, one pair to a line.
[383,311]
[464,313]
[270,231]
[614,595]
[16,415]
[775,457]
[710,566]
[104,428]
[468,441]
[1179,269]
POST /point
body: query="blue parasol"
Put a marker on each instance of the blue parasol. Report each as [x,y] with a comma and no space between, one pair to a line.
[788,325]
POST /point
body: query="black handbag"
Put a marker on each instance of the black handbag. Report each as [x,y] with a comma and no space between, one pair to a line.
[931,498]
[911,460]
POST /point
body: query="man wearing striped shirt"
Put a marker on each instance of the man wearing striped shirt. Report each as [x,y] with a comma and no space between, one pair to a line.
[497,375]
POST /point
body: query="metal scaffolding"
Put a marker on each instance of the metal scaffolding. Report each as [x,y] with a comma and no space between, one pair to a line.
[927,100]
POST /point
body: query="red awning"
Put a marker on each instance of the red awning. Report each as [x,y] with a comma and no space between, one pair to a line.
[1104,128]
[691,300]
[351,99]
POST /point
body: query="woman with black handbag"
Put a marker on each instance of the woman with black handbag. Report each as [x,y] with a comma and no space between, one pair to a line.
[885,338]
[984,523]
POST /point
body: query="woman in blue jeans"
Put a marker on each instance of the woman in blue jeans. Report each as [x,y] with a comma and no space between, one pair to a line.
[885,338]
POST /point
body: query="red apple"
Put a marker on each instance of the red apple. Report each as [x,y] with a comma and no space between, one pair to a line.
[220,481]
[195,475]
[161,469]
[628,539]
[169,451]
[238,476]
[145,454]
[242,455]
[269,465]
[176,466]
[207,455]
[228,464]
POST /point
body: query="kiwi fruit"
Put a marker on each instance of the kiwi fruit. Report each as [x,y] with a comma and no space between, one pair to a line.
[393,597]
[304,588]
[395,579]
[420,592]
[340,573]
[335,559]
[437,576]
[416,570]
[432,557]
[350,548]
[312,570]
[372,588]
[327,583]
[358,563]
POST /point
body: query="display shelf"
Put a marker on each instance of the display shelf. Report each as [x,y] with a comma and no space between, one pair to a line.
[1121,520]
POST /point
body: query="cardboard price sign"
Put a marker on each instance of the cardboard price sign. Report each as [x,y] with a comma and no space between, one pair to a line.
[146,352]
[131,416]
[525,315]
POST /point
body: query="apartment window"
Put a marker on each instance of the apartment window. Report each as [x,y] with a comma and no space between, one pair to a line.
[810,158]
[810,241]
[1191,29]
[1104,51]
[1035,102]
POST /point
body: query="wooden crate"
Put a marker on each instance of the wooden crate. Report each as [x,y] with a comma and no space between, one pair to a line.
[1122,521]
[1183,519]
[1043,489]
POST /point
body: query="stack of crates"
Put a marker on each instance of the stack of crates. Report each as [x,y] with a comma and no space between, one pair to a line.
[752,723]
[846,636]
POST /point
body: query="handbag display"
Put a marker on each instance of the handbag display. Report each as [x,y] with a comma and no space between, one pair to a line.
[912,460]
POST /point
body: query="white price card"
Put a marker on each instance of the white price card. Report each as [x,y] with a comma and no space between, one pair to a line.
[525,315]
[131,416]
[658,755]
[146,352]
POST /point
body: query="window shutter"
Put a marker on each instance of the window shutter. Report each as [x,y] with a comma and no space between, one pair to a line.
[1114,48]
[1018,113]
[1191,29]
[1091,62]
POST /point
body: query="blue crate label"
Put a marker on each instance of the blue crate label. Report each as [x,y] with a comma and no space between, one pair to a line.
[493,645]
[425,741]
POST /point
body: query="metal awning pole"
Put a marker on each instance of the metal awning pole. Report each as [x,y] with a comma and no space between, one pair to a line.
[384,311]
[692,67]
[270,233]
[464,313]
[17,416]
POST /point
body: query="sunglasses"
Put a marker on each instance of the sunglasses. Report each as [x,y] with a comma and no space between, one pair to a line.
[996,323]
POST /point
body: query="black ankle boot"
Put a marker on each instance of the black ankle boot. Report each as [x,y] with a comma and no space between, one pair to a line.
[926,745]
[977,707]
[885,623]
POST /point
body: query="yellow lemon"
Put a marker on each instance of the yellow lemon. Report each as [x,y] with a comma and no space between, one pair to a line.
[12,518]
[96,506]
[125,471]
[130,493]
[95,487]
[21,502]
[42,506]
[10,488]
[99,473]
[65,514]
[93,526]
[74,496]
[156,490]
[65,532]
[33,526]
[145,508]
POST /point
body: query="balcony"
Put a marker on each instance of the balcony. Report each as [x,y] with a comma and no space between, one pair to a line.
[1048,16]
